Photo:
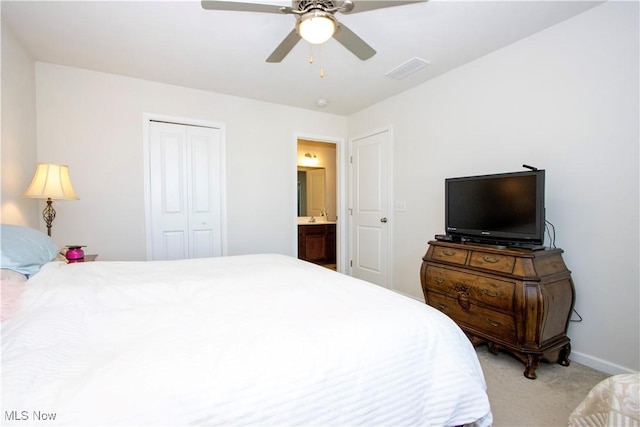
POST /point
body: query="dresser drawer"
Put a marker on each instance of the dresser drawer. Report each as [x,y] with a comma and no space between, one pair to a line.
[492,262]
[493,323]
[452,255]
[487,290]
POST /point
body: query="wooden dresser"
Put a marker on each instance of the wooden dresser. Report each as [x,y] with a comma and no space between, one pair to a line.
[514,300]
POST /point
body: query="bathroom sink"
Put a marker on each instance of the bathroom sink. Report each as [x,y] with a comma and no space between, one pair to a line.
[309,220]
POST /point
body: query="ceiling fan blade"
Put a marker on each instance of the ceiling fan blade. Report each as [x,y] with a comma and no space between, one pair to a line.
[243,7]
[366,5]
[352,42]
[284,47]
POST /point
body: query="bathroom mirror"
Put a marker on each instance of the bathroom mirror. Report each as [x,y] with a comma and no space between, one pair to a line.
[311,191]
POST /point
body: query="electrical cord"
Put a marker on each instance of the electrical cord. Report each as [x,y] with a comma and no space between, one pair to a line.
[551,232]
[579,319]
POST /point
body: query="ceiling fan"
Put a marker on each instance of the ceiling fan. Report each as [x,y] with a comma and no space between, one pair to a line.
[315,21]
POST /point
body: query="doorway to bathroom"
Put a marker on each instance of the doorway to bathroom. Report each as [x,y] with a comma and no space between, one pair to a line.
[317,202]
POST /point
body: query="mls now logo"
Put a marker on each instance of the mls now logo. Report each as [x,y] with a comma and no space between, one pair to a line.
[26,415]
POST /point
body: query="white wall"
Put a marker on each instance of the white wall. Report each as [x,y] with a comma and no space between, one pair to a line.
[565,100]
[94,123]
[18,133]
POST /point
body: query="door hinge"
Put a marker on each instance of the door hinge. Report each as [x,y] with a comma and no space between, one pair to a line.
[350,159]
[350,263]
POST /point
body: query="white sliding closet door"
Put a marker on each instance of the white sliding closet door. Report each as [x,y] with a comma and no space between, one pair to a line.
[185,191]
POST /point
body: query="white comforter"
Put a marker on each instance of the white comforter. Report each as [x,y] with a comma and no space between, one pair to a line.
[245,340]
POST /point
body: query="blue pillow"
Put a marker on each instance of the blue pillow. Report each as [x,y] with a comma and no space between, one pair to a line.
[24,249]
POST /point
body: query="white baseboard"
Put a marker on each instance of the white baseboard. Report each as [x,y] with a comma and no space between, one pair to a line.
[599,364]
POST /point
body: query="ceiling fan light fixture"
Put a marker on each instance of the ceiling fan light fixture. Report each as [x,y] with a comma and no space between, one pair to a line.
[316,26]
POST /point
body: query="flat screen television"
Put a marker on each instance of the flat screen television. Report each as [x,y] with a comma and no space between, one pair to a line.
[502,209]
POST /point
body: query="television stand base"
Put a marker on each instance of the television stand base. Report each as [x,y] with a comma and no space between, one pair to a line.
[530,247]
[487,245]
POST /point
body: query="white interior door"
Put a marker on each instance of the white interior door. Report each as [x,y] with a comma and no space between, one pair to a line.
[370,187]
[185,191]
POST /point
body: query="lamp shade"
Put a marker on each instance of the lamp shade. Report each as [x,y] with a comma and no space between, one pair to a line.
[316,27]
[51,182]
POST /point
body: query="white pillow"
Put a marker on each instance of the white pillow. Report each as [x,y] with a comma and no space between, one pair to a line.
[24,249]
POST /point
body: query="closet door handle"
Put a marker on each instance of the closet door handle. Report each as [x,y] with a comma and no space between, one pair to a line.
[383,220]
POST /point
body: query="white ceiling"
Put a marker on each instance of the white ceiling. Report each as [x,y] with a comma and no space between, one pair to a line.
[180,43]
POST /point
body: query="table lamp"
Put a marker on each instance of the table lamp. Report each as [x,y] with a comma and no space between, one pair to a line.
[50,182]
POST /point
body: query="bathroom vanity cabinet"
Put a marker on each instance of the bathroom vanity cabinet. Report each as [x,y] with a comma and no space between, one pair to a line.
[317,243]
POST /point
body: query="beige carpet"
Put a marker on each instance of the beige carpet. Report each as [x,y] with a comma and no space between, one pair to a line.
[546,401]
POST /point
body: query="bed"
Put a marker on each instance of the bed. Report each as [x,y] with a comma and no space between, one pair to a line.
[239,340]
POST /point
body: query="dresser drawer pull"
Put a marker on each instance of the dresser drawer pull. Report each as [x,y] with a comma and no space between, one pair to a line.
[442,307]
[494,324]
[491,259]
[463,301]
[448,252]
[489,294]
[439,279]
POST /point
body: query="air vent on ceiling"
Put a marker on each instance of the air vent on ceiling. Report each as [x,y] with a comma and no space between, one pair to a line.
[407,68]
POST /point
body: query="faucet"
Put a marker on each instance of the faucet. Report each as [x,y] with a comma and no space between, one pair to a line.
[313,219]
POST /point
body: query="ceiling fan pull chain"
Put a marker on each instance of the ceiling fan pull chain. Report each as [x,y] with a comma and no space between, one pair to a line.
[310,53]
[321,67]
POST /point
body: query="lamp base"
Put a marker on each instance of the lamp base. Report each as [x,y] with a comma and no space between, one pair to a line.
[49,214]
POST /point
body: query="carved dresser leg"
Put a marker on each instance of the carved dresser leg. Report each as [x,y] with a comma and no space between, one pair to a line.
[492,348]
[563,359]
[532,365]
